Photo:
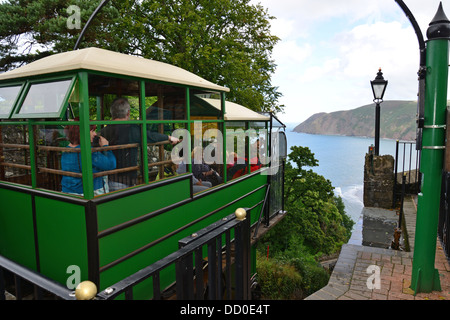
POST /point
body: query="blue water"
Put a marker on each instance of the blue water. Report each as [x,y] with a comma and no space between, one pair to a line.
[341,160]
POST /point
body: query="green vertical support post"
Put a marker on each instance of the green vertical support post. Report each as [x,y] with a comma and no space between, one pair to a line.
[425,278]
[248,146]
[224,137]
[189,126]
[99,110]
[33,162]
[85,138]
[144,151]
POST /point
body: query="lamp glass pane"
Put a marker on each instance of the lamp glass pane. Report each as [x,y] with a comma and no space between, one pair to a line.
[378,90]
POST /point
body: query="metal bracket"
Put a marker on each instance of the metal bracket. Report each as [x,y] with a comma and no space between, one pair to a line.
[433,147]
[435,126]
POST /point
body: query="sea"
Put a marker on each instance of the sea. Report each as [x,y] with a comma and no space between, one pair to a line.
[341,160]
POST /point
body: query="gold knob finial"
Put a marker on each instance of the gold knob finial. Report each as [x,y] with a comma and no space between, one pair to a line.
[86,290]
[240,214]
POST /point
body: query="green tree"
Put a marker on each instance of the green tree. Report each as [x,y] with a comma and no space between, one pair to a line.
[315,224]
[227,42]
[32,29]
[316,218]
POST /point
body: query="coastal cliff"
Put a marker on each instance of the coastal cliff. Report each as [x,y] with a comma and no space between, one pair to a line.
[397,121]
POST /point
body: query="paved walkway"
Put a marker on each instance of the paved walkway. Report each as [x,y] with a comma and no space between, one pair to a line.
[350,275]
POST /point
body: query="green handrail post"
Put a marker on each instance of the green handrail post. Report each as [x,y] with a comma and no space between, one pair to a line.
[425,278]
[224,141]
[189,126]
[143,109]
[85,139]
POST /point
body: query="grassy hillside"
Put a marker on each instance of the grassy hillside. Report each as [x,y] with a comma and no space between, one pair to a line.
[397,121]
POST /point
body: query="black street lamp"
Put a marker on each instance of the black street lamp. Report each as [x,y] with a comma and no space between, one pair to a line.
[378,87]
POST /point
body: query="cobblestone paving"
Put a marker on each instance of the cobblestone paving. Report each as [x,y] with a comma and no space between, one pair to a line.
[355,269]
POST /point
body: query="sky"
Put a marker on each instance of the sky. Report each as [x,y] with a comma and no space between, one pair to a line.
[330,50]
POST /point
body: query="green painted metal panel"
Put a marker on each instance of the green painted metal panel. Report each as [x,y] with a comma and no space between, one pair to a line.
[130,207]
[16,228]
[61,229]
[132,239]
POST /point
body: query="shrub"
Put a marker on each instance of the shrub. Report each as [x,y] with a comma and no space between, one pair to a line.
[278,280]
[315,224]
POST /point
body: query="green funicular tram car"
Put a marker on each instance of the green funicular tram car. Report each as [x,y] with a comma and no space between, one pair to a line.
[76,206]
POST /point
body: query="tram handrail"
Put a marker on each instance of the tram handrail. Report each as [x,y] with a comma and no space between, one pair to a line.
[14,146]
[115,171]
[79,175]
[15,165]
[77,150]
[154,164]
[65,149]
[116,147]
[61,172]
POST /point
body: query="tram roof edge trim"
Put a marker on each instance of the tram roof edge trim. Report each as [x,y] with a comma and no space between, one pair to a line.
[102,60]
[237,112]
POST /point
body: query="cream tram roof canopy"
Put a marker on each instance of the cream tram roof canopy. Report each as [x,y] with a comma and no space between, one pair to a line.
[112,62]
[236,112]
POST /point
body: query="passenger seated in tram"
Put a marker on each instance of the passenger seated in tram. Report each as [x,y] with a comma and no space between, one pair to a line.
[121,134]
[169,170]
[238,166]
[203,171]
[197,184]
[71,161]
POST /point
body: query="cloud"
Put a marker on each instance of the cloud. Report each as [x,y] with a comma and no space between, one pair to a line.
[327,69]
[306,15]
[330,50]
[388,45]
[292,52]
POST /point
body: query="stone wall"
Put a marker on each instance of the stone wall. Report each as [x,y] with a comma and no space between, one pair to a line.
[378,181]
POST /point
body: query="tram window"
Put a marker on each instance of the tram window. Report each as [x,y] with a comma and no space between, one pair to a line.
[207,153]
[164,102]
[113,98]
[8,97]
[237,149]
[127,142]
[104,90]
[51,141]
[15,154]
[159,152]
[73,105]
[201,108]
[45,99]
[258,140]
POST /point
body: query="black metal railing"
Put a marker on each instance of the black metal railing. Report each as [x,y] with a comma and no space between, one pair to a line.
[213,263]
[444,215]
[20,283]
[276,203]
[224,273]
[407,164]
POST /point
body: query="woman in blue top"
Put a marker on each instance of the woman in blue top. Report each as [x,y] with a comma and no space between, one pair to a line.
[71,161]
